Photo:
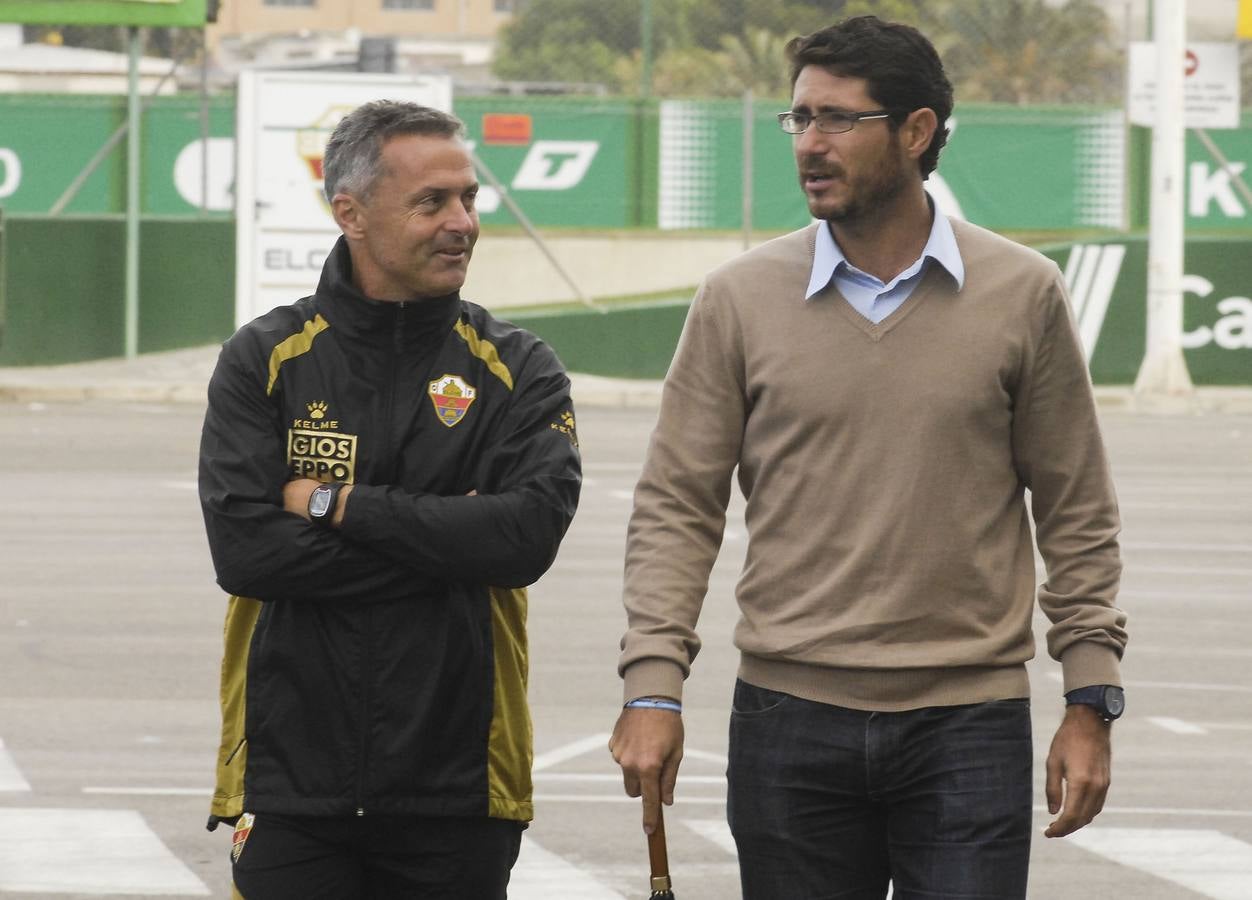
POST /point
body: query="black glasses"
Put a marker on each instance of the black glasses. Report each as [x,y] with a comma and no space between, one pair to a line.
[827,122]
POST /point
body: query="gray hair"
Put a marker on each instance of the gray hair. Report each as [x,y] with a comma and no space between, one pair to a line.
[353,157]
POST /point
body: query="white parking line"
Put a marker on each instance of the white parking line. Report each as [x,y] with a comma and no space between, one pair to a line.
[1192,593]
[88,851]
[1177,685]
[1192,686]
[622,798]
[1208,862]
[570,751]
[1164,506]
[180,485]
[692,753]
[11,780]
[1196,652]
[595,777]
[715,831]
[1191,570]
[1177,726]
[540,875]
[1187,548]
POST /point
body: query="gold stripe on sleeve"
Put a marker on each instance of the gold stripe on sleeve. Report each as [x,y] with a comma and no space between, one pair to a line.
[510,748]
[486,351]
[232,755]
[298,343]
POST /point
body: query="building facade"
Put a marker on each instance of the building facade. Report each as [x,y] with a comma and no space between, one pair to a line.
[398,18]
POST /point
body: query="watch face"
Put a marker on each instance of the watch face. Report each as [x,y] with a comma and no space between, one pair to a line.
[1114,701]
[319,502]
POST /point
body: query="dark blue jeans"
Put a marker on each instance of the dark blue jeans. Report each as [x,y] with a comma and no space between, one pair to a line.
[826,802]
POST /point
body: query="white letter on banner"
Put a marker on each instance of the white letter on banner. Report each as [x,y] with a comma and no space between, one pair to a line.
[555,165]
[1234,330]
[12,172]
[1207,187]
[1201,287]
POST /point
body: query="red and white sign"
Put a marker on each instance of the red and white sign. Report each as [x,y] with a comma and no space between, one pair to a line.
[1210,89]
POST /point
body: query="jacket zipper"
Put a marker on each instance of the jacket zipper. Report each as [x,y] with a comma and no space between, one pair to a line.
[384,458]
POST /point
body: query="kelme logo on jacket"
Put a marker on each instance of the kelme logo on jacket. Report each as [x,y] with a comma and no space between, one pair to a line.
[452,397]
[316,449]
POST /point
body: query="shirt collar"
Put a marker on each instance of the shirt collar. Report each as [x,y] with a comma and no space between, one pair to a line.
[940,246]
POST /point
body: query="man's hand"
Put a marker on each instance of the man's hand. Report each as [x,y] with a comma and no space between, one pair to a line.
[296,495]
[648,745]
[1081,759]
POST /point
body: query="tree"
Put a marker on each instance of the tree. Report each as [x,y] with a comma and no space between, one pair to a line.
[1014,51]
[1028,51]
[601,42]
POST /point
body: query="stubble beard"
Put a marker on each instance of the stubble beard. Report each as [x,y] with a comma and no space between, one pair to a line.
[877,190]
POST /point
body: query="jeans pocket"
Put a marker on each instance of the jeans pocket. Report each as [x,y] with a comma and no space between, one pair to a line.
[751,700]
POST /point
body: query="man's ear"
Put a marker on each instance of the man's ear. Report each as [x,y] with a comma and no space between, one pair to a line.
[349,215]
[917,131]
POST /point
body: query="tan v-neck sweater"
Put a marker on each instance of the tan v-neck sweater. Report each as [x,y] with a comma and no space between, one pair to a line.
[889,560]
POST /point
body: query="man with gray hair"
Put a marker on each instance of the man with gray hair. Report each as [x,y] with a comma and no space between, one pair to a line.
[384,468]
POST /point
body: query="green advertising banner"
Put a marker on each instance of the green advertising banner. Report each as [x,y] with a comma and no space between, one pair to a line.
[564,162]
[151,13]
[1108,288]
[621,163]
[1004,167]
[46,140]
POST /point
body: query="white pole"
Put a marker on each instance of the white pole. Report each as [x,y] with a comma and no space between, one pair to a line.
[1164,371]
[134,171]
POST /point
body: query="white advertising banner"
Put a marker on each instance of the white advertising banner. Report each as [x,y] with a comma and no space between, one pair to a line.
[284,228]
[1211,85]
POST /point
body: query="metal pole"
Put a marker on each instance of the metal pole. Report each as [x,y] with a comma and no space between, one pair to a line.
[1127,129]
[748,165]
[1220,158]
[133,136]
[645,36]
[534,235]
[204,120]
[1164,370]
[102,154]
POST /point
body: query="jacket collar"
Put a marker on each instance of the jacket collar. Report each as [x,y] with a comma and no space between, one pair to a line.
[350,312]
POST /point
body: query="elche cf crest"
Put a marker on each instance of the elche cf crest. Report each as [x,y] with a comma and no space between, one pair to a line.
[452,396]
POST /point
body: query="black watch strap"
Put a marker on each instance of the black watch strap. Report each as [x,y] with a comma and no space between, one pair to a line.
[322,503]
[1108,700]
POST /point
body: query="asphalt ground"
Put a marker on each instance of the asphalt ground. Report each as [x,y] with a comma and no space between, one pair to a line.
[110,632]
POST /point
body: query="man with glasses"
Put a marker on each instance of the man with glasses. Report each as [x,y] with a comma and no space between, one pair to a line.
[889,384]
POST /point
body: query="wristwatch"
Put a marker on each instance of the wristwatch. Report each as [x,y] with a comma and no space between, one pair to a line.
[322,503]
[1107,699]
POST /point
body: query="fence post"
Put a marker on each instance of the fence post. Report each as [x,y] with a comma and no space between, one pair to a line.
[749,126]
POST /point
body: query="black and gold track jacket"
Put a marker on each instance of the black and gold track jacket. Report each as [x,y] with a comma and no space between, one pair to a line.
[381,667]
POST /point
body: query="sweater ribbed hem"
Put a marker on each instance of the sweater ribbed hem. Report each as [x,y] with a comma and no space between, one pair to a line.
[887,690]
[653,677]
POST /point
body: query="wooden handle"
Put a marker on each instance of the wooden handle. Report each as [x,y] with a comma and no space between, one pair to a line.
[657,856]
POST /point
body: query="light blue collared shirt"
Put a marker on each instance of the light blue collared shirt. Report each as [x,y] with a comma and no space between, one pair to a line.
[869,296]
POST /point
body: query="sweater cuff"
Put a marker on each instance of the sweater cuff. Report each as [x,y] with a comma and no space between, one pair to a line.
[652,677]
[1087,662]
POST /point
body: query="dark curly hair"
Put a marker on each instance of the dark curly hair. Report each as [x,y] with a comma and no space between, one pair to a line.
[901,69]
